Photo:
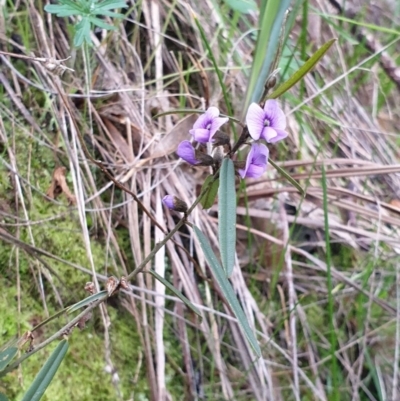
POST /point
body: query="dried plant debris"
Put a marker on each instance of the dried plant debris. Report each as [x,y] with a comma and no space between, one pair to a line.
[59,185]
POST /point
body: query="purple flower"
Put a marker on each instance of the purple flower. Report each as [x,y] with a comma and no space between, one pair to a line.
[174,203]
[168,201]
[256,162]
[187,152]
[207,125]
[268,124]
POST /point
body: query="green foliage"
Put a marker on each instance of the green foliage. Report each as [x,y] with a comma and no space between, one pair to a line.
[89,11]
[46,374]
[6,356]
[243,6]
[175,291]
[227,215]
[209,196]
[227,290]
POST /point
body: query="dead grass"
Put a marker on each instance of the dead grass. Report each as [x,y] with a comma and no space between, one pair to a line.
[156,63]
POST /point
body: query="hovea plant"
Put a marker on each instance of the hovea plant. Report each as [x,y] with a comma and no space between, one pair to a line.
[211,147]
[89,12]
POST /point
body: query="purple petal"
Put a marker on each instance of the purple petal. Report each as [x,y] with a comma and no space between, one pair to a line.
[255,171]
[200,134]
[206,118]
[255,120]
[260,154]
[280,135]
[216,124]
[268,133]
[274,114]
[256,162]
[186,152]
[168,201]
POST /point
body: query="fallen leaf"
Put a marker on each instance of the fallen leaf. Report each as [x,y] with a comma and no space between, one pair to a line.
[172,139]
[59,185]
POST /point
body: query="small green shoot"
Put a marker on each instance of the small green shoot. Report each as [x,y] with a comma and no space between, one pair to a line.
[89,11]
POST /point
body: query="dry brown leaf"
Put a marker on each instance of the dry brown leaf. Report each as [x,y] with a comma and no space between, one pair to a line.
[119,142]
[170,141]
[59,185]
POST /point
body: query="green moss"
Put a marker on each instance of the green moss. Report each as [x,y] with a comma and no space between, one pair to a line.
[55,228]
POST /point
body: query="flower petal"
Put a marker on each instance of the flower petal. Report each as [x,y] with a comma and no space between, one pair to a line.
[255,171]
[256,162]
[168,201]
[206,118]
[260,155]
[268,133]
[200,135]
[274,114]
[216,124]
[280,135]
[186,152]
[255,120]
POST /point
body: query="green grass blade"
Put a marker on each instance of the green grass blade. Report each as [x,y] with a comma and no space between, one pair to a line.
[227,290]
[303,70]
[46,374]
[6,356]
[227,215]
[210,189]
[271,20]
[243,6]
[175,291]
[287,176]
[332,337]
[87,301]
[215,65]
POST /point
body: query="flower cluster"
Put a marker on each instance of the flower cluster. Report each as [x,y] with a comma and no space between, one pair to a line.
[267,123]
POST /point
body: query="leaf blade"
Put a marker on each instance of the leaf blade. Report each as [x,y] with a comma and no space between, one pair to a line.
[227,215]
[303,70]
[185,300]
[6,356]
[86,301]
[46,374]
[271,19]
[211,189]
[227,290]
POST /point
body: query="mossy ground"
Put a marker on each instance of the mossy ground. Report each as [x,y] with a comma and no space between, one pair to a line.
[55,228]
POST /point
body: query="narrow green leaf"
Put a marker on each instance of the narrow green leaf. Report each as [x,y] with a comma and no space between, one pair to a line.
[175,291]
[303,70]
[211,189]
[46,374]
[100,23]
[243,6]
[110,14]
[227,215]
[58,9]
[227,290]
[287,176]
[6,356]
[271,20]
[87,301]
[110,5]
[206,43]
[82,32]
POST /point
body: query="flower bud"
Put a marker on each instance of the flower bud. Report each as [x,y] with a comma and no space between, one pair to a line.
[174,203]
[204,159]
[220,139]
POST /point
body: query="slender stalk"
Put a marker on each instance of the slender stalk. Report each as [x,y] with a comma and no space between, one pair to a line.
[55,336]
